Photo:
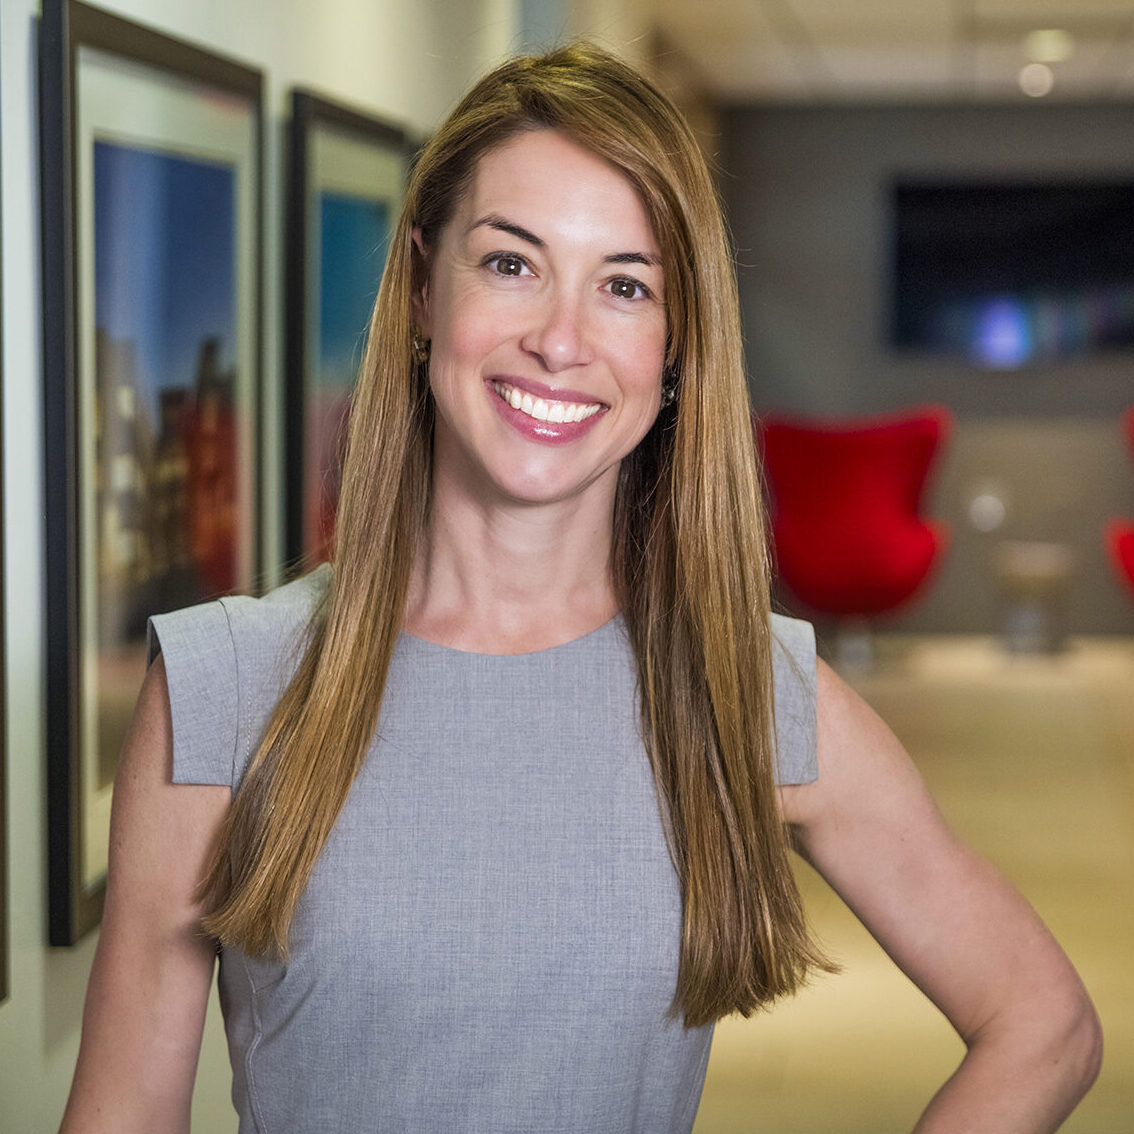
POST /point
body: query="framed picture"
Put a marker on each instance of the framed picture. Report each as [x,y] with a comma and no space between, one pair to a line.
[151,177]
[345,185]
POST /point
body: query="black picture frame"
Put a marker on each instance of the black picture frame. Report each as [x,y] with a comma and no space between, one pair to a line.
[151,402]
[346,170]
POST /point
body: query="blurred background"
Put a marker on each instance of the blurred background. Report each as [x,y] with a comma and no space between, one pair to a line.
[933,206]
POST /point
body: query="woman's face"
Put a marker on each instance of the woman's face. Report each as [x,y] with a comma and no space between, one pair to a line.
[546,310]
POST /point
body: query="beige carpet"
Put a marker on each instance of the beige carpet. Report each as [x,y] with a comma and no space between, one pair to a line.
[1032,760]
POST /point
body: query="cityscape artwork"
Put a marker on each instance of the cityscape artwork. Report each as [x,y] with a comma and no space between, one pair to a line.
[354,233]
[166,507]
[151,187]
[346,183]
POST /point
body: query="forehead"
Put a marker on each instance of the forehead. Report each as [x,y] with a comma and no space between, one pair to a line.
[542,173]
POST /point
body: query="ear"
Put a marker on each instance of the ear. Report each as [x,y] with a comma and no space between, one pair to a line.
[419,295]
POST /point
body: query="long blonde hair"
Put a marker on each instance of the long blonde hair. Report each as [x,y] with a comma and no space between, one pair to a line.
[690,564]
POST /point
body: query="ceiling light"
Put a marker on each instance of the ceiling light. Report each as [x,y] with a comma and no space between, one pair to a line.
[1036,80]
[1049,45]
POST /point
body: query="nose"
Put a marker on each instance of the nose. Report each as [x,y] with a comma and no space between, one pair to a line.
[557,334]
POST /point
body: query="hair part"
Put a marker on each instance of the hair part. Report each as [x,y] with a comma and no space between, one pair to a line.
[690,565]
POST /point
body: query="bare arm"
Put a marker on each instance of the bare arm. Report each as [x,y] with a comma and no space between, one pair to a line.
[152,971]
[970,942]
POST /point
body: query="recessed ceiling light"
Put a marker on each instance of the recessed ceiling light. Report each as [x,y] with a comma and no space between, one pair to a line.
[1036,80]
[1049,45]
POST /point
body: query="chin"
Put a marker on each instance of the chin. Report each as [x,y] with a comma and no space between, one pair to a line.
[548,488]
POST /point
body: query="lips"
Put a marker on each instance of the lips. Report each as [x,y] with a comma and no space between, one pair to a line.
[551,417]
[553,410]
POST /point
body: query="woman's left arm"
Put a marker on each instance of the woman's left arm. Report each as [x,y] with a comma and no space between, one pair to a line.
[956,927]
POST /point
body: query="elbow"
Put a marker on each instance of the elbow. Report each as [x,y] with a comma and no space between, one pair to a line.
[1075,1044]
[1051,1048]
[1087,1043]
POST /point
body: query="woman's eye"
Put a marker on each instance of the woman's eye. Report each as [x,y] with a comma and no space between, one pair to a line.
[628,289]
[507,265]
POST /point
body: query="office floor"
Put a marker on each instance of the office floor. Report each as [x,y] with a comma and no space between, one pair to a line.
[1032,761]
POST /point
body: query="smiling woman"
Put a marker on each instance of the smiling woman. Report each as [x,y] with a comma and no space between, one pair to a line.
[489,819]
[547,356]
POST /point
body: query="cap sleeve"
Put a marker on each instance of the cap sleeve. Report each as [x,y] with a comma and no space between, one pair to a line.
[793,669]
[201,673]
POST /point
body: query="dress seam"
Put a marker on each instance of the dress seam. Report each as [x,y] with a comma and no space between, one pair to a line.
[240,729]
[257,1035]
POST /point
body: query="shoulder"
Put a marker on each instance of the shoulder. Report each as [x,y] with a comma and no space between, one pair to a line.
[226,664]
[864,768]
[794,637]
[275,626]
[795,684]
[249,627]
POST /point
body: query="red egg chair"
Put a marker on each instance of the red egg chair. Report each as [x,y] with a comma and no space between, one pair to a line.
[1120,533]
[846,498]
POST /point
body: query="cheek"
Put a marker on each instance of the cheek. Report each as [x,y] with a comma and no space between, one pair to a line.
[461,352]
[471,339]
[641,358]
[463,329]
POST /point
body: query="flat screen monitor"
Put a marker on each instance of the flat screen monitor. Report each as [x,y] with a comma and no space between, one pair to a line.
[1008,275]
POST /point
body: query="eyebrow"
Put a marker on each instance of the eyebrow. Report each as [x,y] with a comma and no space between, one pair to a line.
[634,258]
[497,222]
[494,220]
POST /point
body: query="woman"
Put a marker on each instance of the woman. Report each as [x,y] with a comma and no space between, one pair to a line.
[517,777]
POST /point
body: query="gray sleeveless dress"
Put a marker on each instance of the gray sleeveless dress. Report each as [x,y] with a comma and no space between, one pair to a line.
[489,940]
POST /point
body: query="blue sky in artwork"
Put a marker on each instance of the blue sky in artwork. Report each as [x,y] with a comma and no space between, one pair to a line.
[354,234]
[165,259]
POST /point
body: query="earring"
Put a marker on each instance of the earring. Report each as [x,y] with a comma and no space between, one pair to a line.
[419,346]
[669,387]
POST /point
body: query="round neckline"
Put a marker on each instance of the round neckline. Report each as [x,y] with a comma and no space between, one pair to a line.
[321,577]
[425,643]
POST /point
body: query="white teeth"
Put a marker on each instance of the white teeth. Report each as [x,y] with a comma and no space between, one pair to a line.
[542,410]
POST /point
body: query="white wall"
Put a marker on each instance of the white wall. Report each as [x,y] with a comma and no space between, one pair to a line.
[407,60]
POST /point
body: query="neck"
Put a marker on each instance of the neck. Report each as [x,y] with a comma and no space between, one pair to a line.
[509,580]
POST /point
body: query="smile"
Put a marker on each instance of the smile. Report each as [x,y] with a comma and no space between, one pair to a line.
[543,410]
